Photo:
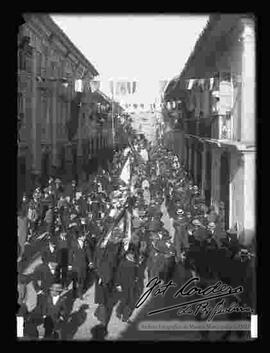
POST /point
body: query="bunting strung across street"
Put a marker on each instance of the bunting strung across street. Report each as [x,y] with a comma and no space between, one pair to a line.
[123,87]
[211,83]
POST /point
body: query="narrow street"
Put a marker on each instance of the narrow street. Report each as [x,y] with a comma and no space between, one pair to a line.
[136,176]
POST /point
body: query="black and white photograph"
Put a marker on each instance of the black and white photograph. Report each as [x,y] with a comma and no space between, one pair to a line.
[136,177]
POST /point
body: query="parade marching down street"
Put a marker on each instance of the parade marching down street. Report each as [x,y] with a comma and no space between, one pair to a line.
[136,182]
[98,247]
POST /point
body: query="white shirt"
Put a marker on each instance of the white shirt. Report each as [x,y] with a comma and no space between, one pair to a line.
[80,243]
[51,248]
[55,299]
[52,270]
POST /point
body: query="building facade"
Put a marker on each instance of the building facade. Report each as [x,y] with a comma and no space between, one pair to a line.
[217,90]
[55,103]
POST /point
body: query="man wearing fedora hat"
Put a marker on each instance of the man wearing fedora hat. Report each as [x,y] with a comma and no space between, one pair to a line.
[181,241]
[53,310]
[126,283]
[48,253]
[62,255]
[80,258]
[43,277]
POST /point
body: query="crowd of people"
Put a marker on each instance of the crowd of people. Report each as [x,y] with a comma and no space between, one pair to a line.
[114,230]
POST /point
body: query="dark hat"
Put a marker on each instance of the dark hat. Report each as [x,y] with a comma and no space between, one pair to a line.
[57,287]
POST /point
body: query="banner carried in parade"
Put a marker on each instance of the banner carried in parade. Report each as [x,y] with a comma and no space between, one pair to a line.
[128,231]
[126,171]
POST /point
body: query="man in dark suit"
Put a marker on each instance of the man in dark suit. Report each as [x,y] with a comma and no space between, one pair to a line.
[126,283]
[80,258]
[53,311]
[62,256]
[43,277]
[49,252]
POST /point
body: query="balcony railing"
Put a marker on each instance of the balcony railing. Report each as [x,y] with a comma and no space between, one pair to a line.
[205,127]
[215,127]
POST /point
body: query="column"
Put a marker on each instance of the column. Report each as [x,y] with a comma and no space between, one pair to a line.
[248,83]
[68,155]
[54,126]
[189,155]
[79,146]
[203,171]
[249,198]
[195,163]
[36,124]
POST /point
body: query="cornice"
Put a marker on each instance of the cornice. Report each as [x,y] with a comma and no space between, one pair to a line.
[48,21]
[45,28]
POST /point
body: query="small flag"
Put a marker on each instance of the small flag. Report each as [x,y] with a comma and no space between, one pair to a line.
[201,83]
[134,87]
[78,86]
[191,83]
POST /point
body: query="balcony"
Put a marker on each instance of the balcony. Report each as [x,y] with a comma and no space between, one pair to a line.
[216,127]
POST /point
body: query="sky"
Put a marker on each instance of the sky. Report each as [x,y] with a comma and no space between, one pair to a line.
[133,47]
